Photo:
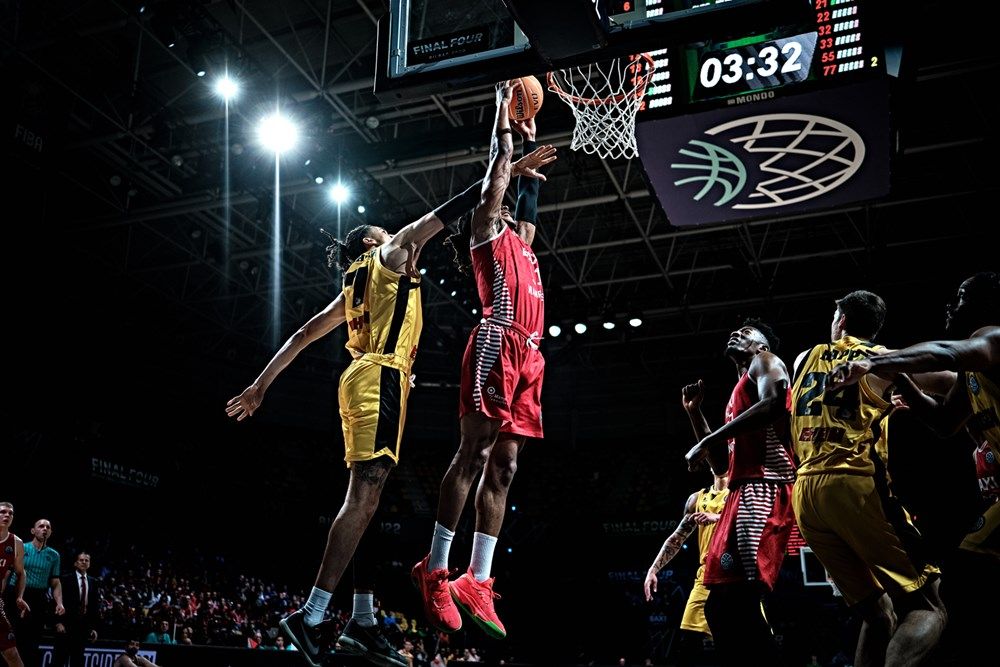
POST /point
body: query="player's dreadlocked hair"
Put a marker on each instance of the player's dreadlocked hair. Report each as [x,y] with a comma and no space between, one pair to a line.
[459,242]
[353,245]
[766,331]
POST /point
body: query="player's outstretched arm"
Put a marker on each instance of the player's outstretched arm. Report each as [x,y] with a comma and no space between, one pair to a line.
[671,545]
[319,325]
[978,353]
[487,214]
[526,210]
[944,416]
[408,242]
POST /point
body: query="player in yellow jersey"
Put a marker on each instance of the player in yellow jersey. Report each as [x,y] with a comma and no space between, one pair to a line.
[842,504]
[380,302]
[701,511]
[974,401]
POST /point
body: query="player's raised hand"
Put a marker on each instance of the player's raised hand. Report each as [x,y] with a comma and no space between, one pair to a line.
[526,127]
[533,161]
[692,395]
[505,89]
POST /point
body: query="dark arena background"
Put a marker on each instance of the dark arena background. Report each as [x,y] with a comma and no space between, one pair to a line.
[150,277]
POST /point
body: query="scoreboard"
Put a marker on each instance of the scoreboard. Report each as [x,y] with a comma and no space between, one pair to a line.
[769,122]
[829,43]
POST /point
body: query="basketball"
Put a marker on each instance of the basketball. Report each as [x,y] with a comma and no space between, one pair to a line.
[526,98]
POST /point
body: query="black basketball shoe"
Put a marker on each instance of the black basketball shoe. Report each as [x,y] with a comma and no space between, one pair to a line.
[370,644]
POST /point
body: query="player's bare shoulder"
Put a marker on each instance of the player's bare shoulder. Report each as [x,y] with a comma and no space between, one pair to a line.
[766,362]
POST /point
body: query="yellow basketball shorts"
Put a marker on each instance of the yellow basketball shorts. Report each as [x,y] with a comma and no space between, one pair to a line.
[863,536]
[984,537]
[694,612]
[372,410]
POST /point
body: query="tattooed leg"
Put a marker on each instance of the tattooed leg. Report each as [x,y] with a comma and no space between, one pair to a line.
[363,491]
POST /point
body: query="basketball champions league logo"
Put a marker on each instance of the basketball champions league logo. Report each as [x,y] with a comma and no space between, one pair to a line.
[769,161]
[777,156]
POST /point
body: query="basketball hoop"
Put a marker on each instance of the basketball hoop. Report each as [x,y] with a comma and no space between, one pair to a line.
[604,98]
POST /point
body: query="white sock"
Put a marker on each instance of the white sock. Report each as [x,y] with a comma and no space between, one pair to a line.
[364,609]
[440,546]
[482,555]
[316,606]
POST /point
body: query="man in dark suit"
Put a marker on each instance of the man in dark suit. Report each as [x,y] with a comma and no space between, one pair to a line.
[82,601]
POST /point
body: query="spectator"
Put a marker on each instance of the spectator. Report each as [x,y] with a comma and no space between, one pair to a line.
[407,652]
[162,635]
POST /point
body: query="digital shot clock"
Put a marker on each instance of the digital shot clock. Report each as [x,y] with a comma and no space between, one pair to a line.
[748,65]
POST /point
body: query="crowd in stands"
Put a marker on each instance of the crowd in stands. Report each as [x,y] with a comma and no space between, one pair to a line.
[197,600]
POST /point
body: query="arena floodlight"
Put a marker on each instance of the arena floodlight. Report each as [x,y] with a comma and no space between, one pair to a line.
[226,88]
[339,193]
[277,134]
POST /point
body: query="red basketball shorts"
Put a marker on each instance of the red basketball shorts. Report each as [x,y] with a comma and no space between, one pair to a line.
[752,533]
[502,379]
[6,632]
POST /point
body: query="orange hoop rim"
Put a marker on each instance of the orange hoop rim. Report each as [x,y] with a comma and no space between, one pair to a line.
[596,101]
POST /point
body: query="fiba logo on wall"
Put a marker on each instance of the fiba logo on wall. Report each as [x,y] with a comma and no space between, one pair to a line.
[770,161]
[775,156]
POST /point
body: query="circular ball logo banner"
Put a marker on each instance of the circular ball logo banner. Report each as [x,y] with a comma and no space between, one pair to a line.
[773,157]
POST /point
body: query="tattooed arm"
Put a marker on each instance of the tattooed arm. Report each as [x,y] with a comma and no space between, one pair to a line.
[671,545]
[486,216]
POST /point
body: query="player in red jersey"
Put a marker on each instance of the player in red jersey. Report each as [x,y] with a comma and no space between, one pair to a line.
[501,383]
[749,542]
[11,560]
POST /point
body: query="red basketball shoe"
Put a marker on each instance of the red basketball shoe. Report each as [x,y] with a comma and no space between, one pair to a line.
[438,606]
[475,598]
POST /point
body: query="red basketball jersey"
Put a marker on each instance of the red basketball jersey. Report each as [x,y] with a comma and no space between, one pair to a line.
[7,557]
[988,471]
[761,454]
[509,282]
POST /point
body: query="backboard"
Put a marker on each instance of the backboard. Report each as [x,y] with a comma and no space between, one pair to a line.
[436,46]
[755,108]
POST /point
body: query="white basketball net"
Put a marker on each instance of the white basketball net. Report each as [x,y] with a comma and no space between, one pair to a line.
[604,98]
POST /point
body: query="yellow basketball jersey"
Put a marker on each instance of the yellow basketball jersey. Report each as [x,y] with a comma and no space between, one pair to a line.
[384,316]
[837,431]
[709,500]
[984,397]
